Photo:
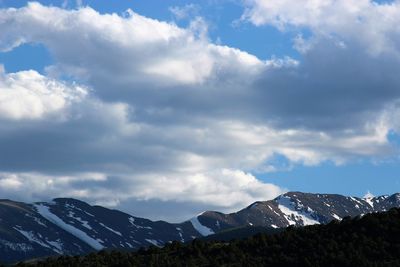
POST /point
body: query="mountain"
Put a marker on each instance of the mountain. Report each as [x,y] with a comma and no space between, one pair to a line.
[372,240]
[294,208]
[71,227]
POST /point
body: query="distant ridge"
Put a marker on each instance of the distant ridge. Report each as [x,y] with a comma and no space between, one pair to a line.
[68,226]
[299,209]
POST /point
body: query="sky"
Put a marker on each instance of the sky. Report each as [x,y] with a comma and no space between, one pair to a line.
[164,109]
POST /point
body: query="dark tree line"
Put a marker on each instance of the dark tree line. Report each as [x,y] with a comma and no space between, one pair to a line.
[369,241]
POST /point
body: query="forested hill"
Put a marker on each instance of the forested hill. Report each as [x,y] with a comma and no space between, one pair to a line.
[371,240]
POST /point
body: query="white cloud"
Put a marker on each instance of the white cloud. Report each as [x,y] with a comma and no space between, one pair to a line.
[139,49]
[37,186]
[373,25]
[29,95]
[12,182]
[225,188]
[184,12]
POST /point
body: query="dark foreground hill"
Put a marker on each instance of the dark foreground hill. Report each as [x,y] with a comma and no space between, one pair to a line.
[371,240]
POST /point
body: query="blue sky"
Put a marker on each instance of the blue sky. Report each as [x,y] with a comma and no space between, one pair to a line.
[183,106]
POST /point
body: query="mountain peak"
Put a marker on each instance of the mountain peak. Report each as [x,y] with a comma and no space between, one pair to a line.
[368,195]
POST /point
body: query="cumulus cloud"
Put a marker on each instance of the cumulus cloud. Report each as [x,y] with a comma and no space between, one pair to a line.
[372,25]
[139,49]
[346,78]
[29,95]
[159,114]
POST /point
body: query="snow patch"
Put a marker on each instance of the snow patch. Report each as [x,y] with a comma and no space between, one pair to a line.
[53,245]
[45,212]
[369,198]
[154,242]
[79,219]
[368,195]
[31,237]
[37,220]
[16,246]
[110,229]
[292,215]
[180,234]
[72,206]
[203,230]
[57,246]
[369,201]
[132,221]
[356,200]
[276,213]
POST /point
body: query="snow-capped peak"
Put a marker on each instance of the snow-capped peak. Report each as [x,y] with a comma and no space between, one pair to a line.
[368,196]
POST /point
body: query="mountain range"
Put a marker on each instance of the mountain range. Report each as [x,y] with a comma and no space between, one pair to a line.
[70,226]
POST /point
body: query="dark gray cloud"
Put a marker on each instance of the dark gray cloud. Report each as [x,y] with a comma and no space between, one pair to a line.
[333,89]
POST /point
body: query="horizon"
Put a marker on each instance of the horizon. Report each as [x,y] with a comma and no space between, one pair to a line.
[163,109]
